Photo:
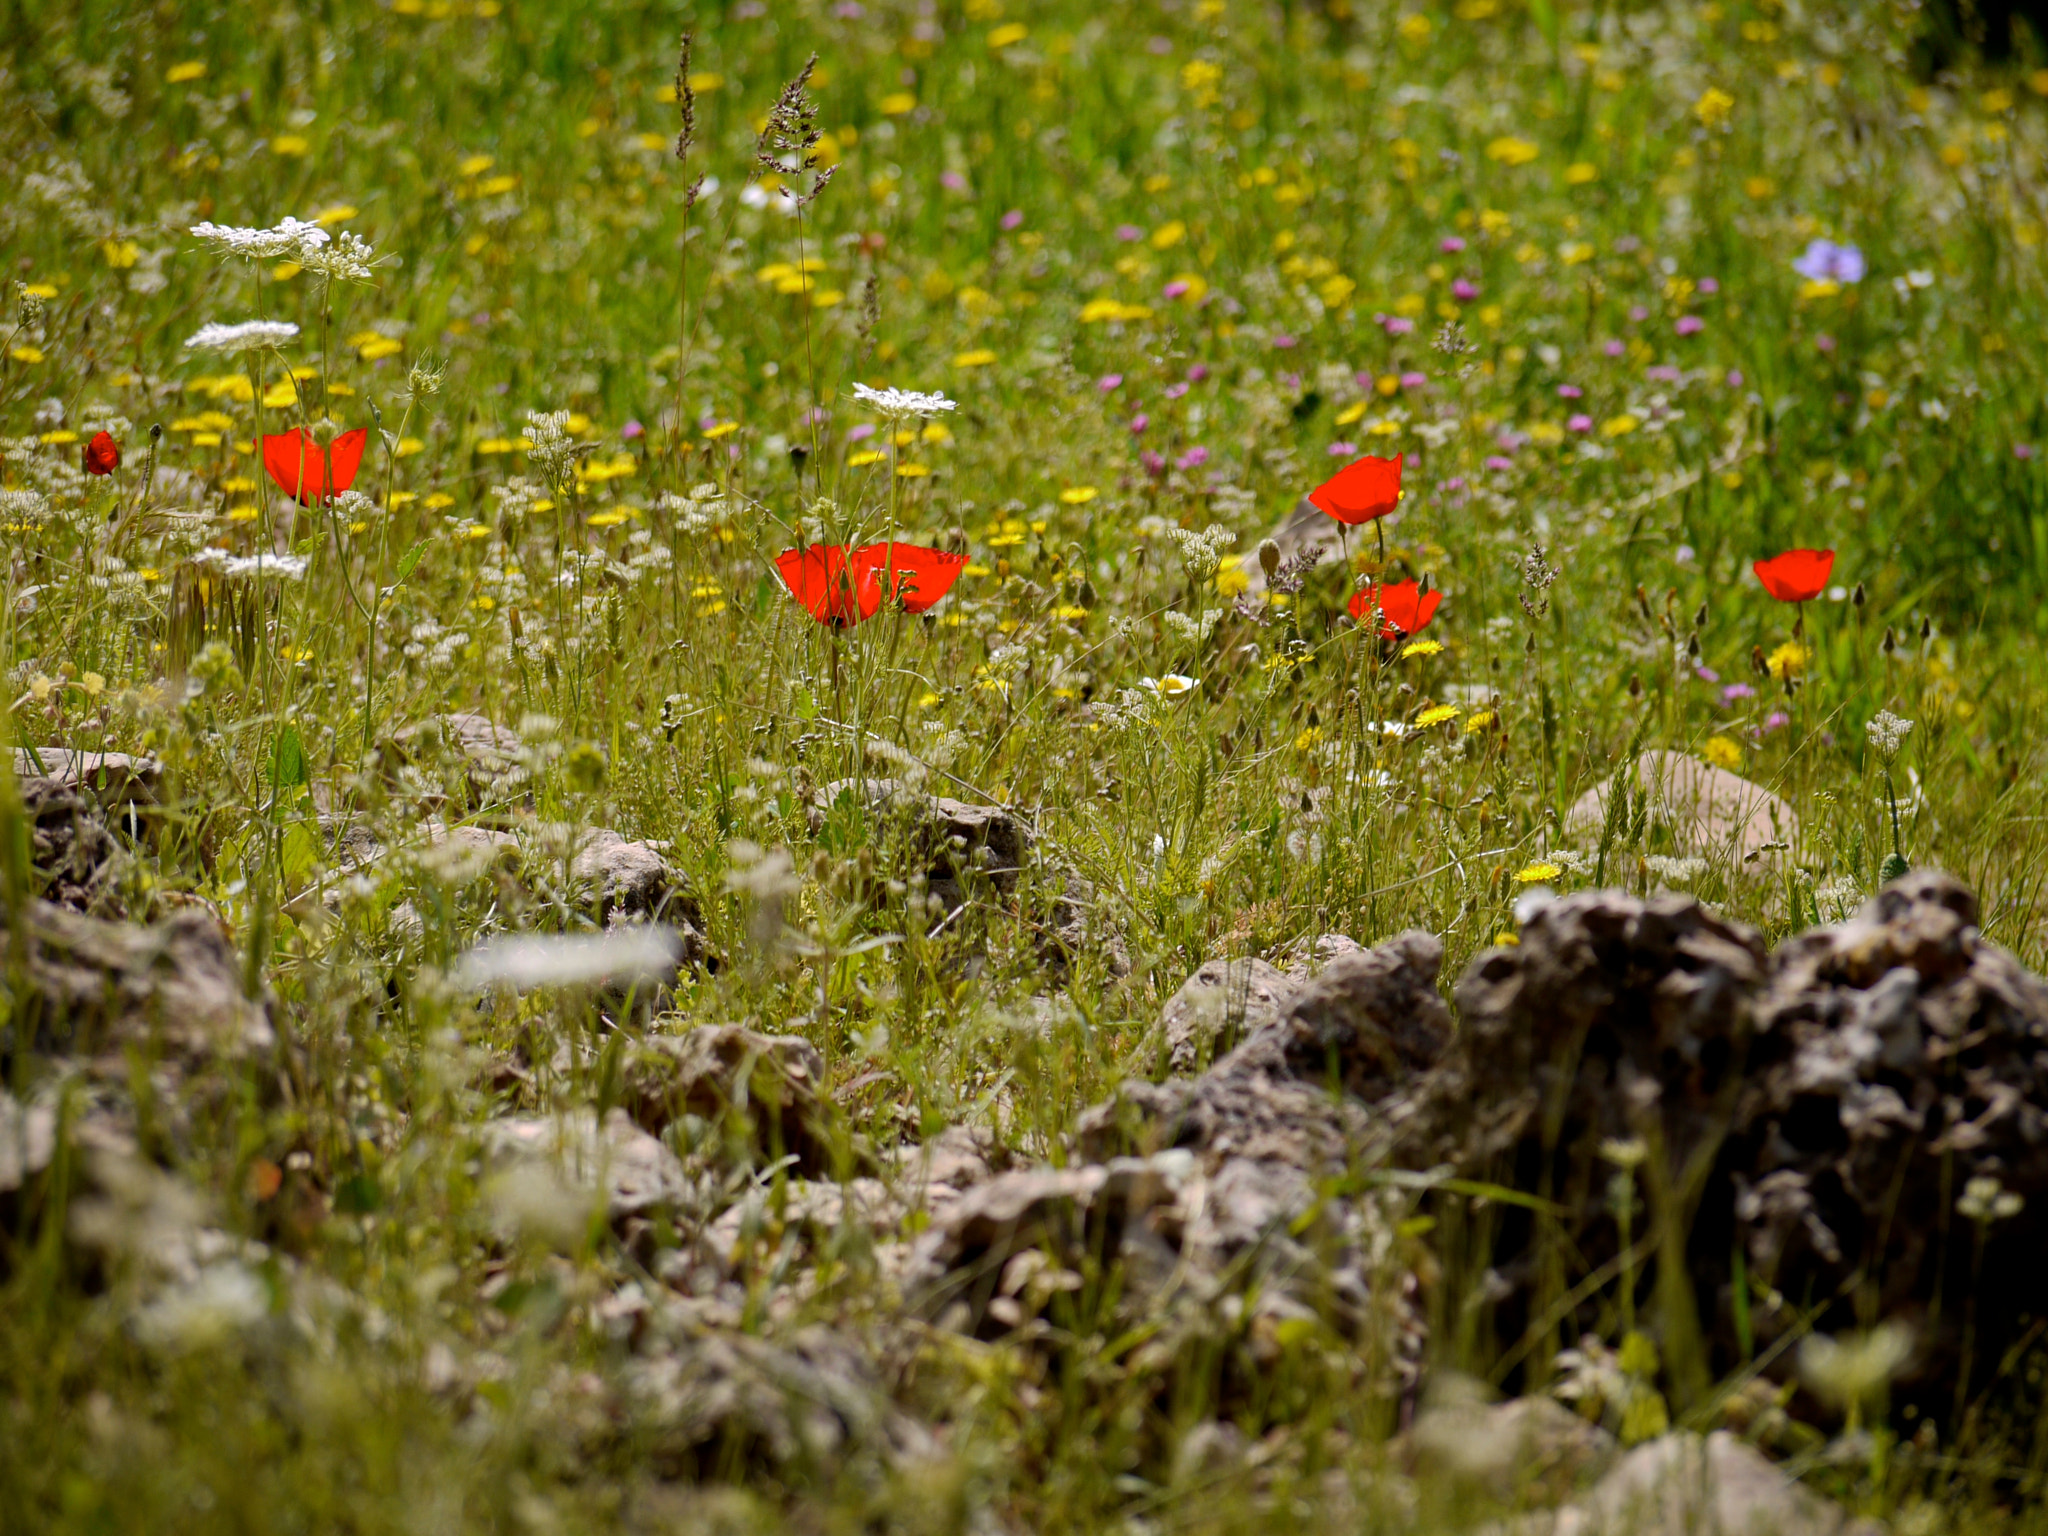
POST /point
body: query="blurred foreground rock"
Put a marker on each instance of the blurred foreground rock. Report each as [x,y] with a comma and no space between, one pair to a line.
[1864,1112]
[171,991]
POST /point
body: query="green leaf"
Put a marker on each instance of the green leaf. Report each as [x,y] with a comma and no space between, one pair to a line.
[408,561]
[288,761]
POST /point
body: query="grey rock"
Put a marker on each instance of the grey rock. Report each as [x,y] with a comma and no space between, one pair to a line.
[612,1159]
[765,1093]
[1682,1485]
[171,989]
[1219,1005]
[1707,811]
[114,780]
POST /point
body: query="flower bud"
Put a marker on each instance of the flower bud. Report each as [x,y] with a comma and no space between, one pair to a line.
[1269,558]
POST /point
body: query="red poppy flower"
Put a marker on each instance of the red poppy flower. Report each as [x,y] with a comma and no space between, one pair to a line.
[1361,492]
[909,574]
[1796,576]
[1404,606]
[833,590]
[303,470]
[102,454]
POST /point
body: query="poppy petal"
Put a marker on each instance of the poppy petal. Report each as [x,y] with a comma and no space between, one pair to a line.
[344,458]
[1361,492]
[831,591]
[909,574]
[297,465]
[1797,575]
[102,454]
[1404,607]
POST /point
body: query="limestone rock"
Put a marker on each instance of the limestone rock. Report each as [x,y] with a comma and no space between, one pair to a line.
[1681,1485]
[173,988]
[765,1092]
[115,780]
[1219,1005]
[462,760]
[73,857]
[950,839]
[1708,811]
[613,1160]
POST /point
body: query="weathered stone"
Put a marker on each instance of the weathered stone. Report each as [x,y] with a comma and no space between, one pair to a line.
[631,880]
[1304,531]
[1682,1485]
[950,839]
[1219,1005]
[461,760]
[1900,1057]
[1371,1018]
[1526,1450]
[714,1402]
[74,860]
[613,1160]
[98,989]
[1708,811]
[763,1091]
[114,780]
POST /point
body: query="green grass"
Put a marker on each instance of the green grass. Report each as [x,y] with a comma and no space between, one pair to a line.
[1039,200]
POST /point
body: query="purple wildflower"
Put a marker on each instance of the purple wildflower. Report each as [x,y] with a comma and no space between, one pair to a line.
[1464,291]
[1569,392]
[1736,692]
[1398,325]
[1198,372]
[1129,232]
[1826,261]
[1710,285]
[1637,314]
[953,181]
[1343,450]
[1175,391]
[1284,341]
[1580,423]
[1013,218]
[1154,464]
[1450,245]
[1615,348]
[1735,378]
[1690,325]
[1109,382]
[1413,380]
[1499,461]
[632,429]
[1194,458]
[1139,423]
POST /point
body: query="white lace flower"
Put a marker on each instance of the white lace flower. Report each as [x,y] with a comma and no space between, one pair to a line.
[347,260]
[1887,733]
[236,338]
[297,238]
[898,404]
[283,567]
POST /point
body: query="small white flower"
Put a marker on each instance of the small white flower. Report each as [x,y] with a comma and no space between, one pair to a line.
[1173,685]
[236,338]
[782,200]
[897,404]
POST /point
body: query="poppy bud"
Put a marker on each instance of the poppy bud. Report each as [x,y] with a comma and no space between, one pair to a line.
[102,454]
[1529,646]
[1314,719]
[1926,628]
[1857,597]
[512,623]
[1635,686]
[956,540]
[1757,664]
[1699,619]
[797,454]
[1269,558]
[156,432]
[1642,600]
[1891,640]
[1692,647]
[1427,585]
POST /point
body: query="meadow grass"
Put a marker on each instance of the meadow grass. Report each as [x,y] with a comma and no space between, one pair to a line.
[1175,264]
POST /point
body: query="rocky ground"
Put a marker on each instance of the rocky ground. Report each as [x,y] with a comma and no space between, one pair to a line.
[1678,1168]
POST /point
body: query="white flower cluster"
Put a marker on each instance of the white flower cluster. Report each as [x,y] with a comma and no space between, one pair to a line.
[236,338]
[283,567]
[1189,630]
[23,509]
[299,239]
[1202,553]
[1887,733]
[696,512]
[1668,870]
[901,404]
[552,452]
[347,260]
